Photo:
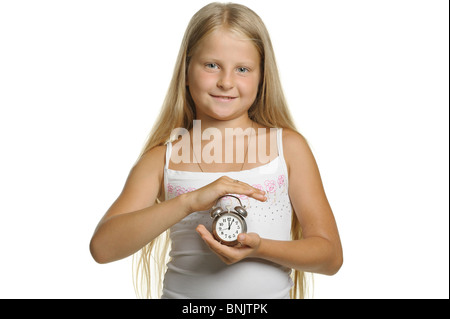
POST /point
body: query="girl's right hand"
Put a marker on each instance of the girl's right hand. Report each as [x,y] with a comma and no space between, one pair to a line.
[204,198]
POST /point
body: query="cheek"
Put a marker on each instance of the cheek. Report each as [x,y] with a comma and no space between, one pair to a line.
[250,88]
[199,81]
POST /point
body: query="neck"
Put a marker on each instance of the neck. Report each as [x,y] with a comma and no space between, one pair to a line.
[222,140]
[242,122]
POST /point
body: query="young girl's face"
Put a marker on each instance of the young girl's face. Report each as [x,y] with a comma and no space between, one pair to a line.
[223,76]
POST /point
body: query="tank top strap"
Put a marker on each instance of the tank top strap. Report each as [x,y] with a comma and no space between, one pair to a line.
[280,142]
[168,154]
[283,163]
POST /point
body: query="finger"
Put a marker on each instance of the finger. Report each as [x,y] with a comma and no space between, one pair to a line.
[201,229]
[222,251]
[239,187]
[234,186]
[238,183]
[249,239]
[208,238]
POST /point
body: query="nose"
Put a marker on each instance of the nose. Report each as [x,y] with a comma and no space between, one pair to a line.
[225,81]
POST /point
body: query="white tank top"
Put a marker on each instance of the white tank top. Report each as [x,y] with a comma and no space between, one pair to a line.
[194,271]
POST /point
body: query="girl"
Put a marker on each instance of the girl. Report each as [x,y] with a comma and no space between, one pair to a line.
[226,78]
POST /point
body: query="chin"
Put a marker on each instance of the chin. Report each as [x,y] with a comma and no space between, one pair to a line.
[221,114]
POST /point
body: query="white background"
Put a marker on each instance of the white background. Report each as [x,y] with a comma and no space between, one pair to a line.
[367,82]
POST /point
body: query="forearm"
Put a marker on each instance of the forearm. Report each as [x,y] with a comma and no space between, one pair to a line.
[121,235]
[314,254]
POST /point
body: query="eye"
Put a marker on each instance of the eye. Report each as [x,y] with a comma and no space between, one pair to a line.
[242,70]
[212,66]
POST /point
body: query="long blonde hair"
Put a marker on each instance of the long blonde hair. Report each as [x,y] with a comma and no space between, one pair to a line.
[178,110]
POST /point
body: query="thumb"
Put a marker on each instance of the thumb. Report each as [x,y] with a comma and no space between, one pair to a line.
[249,239]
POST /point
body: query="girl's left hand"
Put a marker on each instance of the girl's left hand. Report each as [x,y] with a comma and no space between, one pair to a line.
[249,244]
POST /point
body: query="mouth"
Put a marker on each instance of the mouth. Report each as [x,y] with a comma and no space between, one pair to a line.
[223,98]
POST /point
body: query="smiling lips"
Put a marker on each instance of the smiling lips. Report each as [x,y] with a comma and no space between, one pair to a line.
[223,98]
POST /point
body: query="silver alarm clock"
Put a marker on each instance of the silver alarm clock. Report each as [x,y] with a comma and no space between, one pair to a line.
[228,223]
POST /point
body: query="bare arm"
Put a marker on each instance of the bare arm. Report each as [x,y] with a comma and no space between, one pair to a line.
[320,249]
[135,219]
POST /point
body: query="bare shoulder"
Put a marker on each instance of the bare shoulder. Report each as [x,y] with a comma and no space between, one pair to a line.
[296,149]
[149,169]
[144,182]
[293,138]
[151,161]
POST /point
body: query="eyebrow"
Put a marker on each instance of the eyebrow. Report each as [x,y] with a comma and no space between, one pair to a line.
[218,61]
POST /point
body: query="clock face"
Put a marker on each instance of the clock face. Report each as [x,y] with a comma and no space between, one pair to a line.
[227,227]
